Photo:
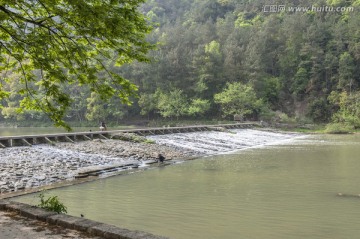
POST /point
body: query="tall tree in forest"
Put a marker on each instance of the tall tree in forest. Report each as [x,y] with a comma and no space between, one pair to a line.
[238,99]
[96,108]
[346,72]
[172,104]
[55,42]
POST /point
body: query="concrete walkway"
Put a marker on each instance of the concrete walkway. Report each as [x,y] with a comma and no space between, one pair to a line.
[14,226]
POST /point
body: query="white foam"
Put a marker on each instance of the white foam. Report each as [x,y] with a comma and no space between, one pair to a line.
[213,142]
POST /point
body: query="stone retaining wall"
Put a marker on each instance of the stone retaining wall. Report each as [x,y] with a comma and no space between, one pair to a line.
[90,227]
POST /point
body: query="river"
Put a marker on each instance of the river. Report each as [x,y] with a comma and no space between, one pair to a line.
[285,189]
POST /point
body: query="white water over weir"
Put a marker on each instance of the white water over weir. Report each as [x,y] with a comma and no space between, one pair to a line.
[212,142]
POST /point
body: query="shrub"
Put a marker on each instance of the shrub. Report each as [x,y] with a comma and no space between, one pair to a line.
[339,128]
[149,141]
[51,204]
[131,137]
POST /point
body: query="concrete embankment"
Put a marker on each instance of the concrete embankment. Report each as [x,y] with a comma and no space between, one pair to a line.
[92,229]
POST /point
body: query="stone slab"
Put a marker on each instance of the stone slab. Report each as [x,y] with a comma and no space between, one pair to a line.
[85,224]
[64,220]
[29,211]
[113,232]
[36,213]
[15,206]
[3,204]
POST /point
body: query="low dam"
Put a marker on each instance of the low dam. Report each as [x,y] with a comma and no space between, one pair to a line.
[249,184]
[28,140]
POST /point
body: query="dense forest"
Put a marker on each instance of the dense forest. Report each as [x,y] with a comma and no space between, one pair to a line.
[218,58]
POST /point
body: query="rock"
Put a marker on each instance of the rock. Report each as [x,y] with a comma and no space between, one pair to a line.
[40,178]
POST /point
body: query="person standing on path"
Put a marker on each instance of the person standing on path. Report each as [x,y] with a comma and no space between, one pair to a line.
[103,126]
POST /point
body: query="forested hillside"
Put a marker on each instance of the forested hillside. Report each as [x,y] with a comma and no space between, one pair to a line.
[219,58]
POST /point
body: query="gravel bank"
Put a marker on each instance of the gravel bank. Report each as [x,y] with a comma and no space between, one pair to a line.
[28,167]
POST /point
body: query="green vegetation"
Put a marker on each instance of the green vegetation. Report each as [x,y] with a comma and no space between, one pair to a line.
[132,138]
[214,59]
[238,99]
[338,128]
[51,204]
[52,53]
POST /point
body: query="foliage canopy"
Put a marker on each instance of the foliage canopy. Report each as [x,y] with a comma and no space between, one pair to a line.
[238,99]
[292,60]
[52,43]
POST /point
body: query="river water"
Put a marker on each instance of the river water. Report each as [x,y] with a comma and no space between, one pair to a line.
[286,189]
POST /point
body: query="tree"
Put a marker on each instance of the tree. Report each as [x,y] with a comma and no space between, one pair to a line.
[300,82]
[208,66]
[238,99]
[346,72]
[96,110]
[198,107]
[148,103]
[172,104]
[348,105]
[319,110]
[53,43]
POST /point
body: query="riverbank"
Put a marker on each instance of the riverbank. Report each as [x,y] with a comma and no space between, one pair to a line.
[24,221]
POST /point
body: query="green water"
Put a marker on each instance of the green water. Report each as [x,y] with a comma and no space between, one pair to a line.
[288,191]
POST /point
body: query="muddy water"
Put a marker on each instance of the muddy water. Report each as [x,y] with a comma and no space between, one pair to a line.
[285,190]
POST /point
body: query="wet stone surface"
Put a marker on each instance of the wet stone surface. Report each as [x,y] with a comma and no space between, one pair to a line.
[28,167]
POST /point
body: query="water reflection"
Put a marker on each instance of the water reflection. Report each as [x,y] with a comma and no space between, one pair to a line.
[286,191]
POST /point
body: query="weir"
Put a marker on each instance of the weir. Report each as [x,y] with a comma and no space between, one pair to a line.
[29,140]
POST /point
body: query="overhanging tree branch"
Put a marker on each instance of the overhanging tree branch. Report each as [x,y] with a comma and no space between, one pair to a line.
[66,42]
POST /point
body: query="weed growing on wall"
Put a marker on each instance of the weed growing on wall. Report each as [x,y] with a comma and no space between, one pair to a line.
[51,204]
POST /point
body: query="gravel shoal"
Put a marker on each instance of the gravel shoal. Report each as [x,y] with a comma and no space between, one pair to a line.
[23,168]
